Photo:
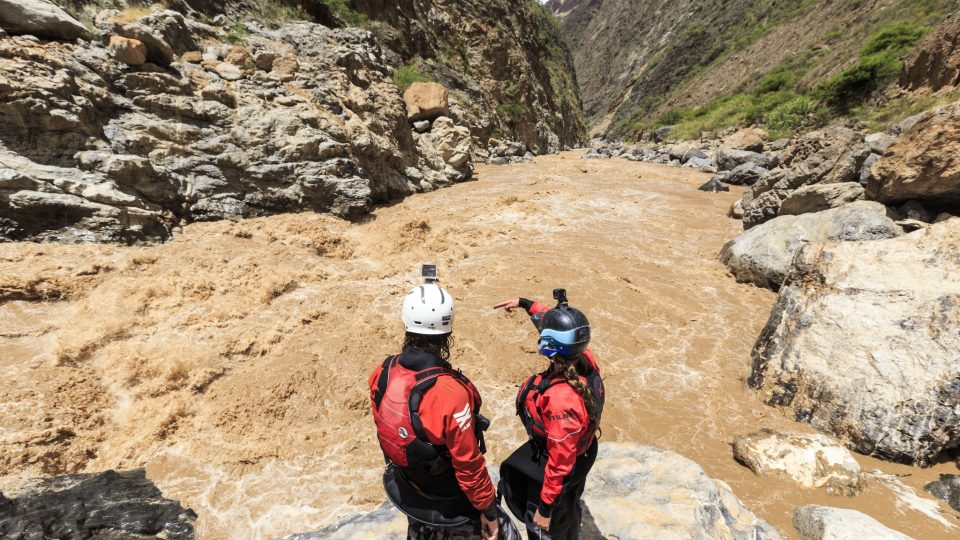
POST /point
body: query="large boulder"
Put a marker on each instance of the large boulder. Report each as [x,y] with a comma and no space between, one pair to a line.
[158,50]
[128,51]
[815,522]
[453,142]
[103,505]
[751,139]
[826,156]
[818,197]
[642,492]
[924,164]
[862,343]
[810,460]
[426,101]
[763,255]
[39,18]
[447,150]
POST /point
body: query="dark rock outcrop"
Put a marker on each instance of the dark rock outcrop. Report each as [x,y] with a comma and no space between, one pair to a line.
[107,505]
[946,488]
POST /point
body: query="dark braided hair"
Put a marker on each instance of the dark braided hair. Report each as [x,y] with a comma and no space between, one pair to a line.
[437,345]
[570,368]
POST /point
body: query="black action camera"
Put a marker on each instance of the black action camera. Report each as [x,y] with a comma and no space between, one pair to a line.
[560,295]
[429,273]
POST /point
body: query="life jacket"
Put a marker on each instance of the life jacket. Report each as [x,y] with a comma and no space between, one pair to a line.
[400,431]
[532,417]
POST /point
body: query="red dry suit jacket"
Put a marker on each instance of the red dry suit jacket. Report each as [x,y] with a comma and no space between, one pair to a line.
[569,433]
[448,397]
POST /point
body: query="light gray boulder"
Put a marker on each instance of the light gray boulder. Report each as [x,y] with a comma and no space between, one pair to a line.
[815,522]
[641,492]
[700,163]
[763,255]
[729,159]
[39,18]
[818,197]
[862,343]
[746,174]
[811,460]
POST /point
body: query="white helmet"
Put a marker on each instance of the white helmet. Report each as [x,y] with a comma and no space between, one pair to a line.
[428,309]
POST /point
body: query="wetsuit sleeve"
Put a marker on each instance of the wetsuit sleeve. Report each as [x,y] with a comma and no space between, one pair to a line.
[450,423]
[534,309]
[564,420]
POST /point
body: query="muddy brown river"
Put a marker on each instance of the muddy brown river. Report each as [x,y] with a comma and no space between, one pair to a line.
[231,362]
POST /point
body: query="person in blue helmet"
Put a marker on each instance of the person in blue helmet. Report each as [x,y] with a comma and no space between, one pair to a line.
[560,407]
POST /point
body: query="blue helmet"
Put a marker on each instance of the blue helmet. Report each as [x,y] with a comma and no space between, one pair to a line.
[563,330]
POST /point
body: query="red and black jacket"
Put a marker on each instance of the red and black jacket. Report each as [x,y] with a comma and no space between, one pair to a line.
[555,417]
[429,425]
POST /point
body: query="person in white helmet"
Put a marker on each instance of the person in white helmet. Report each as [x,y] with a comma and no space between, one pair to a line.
[431,432]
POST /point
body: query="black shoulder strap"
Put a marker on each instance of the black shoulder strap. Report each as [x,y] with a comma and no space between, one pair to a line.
[383,379]
[426,379]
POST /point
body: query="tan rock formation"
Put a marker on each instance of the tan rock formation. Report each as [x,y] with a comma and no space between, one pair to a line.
[925,162]
[426,101]
[128,51]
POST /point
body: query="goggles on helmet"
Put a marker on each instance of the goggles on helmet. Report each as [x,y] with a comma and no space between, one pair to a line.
[554,342]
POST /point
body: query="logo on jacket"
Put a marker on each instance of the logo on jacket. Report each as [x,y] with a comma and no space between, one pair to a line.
[463,417]
[402,432]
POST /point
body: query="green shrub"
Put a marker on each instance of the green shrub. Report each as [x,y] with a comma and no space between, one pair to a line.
[898,38]
[512,111]
[791,115]
[779,79]
[879,62]
[406,75]
[236,33]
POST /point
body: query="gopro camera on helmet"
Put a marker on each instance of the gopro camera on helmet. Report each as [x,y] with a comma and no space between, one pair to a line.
[560,295]
[429,273]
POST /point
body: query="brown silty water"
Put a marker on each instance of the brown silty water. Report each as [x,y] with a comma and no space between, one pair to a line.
[232,361]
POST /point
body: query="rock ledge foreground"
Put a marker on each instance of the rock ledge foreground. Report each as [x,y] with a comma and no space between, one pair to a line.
[634,491]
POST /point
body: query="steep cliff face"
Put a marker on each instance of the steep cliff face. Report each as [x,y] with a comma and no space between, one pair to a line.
[936,62]
[505,60]
[643,64]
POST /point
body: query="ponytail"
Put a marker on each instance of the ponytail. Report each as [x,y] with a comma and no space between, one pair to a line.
[566,367]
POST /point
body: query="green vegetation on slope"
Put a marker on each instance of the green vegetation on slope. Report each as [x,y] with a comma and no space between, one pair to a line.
[783,100]
[408,74]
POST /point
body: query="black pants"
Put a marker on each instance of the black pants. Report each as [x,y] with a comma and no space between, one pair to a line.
[467,531]
[422,531]
[565,517]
